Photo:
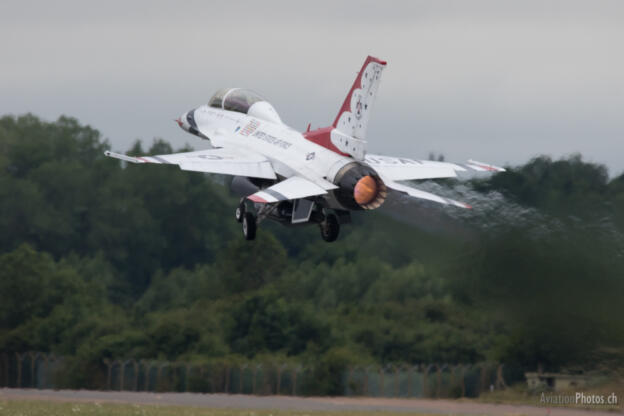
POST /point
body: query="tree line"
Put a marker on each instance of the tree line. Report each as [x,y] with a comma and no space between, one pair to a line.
[102,260]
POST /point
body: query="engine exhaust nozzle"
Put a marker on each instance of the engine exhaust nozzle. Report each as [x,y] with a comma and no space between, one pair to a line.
[365,190]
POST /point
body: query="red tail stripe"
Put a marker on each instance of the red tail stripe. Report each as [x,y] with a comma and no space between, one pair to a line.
[322,137]
[346,105]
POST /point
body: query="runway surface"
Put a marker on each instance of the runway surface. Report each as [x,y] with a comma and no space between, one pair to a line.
[293,403]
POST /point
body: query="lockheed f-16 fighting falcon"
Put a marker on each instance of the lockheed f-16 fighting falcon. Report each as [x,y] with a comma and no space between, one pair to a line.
[315,177]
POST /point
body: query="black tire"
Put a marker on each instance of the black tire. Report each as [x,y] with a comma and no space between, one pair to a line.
[240,211]
[330,228]
[249,226]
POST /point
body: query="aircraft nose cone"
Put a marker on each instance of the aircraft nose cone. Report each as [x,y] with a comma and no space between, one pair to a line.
[365,190]
[182,121]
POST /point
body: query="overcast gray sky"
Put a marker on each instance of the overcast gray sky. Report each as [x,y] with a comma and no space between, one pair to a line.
[498,81]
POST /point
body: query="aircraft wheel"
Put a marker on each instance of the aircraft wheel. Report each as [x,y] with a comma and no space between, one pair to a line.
[249,226]
[330,228]
[240,211]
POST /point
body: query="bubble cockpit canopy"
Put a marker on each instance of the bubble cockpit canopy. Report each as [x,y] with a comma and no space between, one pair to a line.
[242,101]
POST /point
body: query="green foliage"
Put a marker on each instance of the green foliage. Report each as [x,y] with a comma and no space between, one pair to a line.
[565,187]
[100,260]
[267,322]
[329,371]
[248,266]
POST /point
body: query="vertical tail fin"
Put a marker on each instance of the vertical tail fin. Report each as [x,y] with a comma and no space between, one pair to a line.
[353,116]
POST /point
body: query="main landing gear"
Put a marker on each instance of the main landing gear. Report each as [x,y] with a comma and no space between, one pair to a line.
[248,219]
[240,211]
[249,226]
[330,228]
[329,223]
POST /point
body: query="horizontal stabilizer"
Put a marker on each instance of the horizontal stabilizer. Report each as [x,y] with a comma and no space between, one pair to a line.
[295,187]
[417,193]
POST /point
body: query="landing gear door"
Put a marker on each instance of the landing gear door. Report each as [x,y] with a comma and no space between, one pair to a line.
[302,208]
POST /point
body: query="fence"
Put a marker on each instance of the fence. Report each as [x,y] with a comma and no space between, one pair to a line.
[41,370]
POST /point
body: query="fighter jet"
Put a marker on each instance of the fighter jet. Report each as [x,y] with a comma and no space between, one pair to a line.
[313,177]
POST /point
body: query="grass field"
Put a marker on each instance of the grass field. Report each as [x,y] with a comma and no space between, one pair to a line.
[51,408]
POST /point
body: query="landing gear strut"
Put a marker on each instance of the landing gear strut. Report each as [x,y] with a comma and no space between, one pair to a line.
[330,228]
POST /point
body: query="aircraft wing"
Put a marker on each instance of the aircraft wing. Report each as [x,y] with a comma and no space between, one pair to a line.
[480,166]
[222,161]
[417,193]
[402,169]
[294,187]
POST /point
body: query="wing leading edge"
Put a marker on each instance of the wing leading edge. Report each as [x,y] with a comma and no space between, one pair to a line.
[221,161]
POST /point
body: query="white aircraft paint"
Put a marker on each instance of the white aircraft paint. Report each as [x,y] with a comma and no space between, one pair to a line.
[324,165]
